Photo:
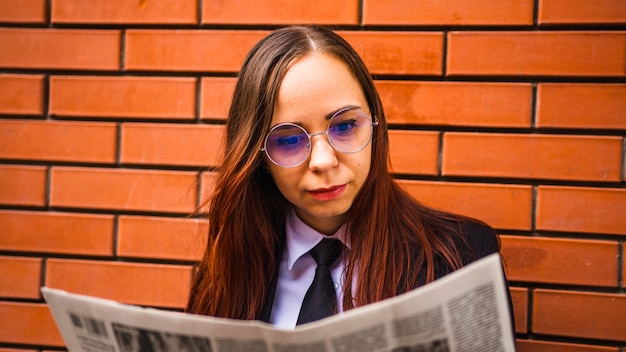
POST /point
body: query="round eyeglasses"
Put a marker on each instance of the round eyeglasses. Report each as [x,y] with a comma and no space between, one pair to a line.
[289,145]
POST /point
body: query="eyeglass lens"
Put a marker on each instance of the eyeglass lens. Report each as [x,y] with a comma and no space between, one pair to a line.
[289,145]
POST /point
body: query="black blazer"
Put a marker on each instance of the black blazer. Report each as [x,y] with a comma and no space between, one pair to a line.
[481,241]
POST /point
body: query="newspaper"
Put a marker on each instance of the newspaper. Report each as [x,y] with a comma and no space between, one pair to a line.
[466,310]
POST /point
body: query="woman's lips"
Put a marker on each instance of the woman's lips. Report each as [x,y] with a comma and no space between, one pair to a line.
[328,193]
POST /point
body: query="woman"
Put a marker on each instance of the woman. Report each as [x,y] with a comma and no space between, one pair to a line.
[306,158]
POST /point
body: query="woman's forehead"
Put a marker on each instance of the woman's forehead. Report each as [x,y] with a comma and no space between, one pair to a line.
[317,84]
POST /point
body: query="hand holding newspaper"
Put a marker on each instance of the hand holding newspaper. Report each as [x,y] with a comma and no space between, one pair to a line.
[463,311]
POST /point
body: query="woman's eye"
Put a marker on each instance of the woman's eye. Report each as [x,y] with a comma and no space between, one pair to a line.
[344,127]
[289,141]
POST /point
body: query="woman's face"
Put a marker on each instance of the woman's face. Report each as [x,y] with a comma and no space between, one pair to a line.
[322,188]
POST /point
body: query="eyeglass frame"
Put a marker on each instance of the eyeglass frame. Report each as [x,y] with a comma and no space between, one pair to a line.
[373,123]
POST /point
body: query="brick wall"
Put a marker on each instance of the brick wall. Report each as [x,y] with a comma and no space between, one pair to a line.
[511,111]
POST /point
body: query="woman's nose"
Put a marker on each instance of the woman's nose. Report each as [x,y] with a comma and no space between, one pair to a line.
[323,155]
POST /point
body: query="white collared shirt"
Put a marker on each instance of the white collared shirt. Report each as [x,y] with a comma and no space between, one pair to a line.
[297,269]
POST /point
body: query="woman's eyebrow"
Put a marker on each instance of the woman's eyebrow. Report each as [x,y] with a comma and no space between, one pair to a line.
[347,107]
[326,117]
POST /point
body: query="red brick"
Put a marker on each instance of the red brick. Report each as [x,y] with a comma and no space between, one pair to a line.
[448,12]
[58,141]
[224,50]
[20,277]
[207,185]
[140,190]
[596,315]
[532,156]
[581,209]
[418,53]
[122,11]
[28,323]
[161,238]
[582,12]
[414,152]
[280,11]
[142,97]
[28,11]
[501,206]
[566,105]
[562,53]
[22,185]
[15,350]
[172,144]
[457,103]
[71,49]
[21,94]
[217,93]
[55,232]
[189,50]
[519,297]
[143,284]
[546,346]
[561,261]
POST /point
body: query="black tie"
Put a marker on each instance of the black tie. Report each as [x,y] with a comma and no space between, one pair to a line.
[320,300]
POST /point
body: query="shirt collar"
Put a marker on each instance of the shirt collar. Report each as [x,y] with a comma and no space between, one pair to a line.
[301,237]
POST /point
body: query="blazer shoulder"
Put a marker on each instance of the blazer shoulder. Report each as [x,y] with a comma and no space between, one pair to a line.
[481,239]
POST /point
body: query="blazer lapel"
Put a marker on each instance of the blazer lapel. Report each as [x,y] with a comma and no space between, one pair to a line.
[266,311]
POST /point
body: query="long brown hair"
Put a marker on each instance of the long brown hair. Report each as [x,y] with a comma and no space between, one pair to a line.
[396,242]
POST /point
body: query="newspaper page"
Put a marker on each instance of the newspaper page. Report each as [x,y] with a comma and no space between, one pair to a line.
[466,310]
